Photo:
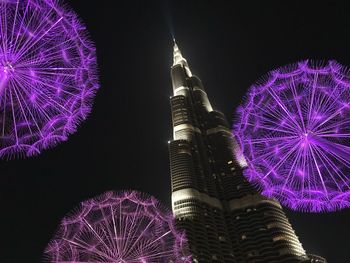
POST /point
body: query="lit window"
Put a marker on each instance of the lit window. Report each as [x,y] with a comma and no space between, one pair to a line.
[277,238]
[253,253]
[222,238]
[271,225]
[243,237]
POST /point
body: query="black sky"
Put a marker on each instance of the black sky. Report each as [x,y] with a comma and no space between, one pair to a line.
[123,144]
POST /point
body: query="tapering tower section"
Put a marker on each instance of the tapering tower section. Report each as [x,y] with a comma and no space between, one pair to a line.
[225,219]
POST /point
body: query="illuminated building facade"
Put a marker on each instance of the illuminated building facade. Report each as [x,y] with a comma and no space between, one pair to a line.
[225,219]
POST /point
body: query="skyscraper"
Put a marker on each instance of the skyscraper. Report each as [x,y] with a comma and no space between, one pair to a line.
[225,218]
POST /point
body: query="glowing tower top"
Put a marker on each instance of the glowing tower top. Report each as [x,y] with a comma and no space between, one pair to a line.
[180,60]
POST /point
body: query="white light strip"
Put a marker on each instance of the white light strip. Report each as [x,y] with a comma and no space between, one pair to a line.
[251,200]
[191,193]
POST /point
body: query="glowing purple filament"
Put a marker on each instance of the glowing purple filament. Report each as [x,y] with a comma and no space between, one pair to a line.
[294,133]
[3,78]
[336,149]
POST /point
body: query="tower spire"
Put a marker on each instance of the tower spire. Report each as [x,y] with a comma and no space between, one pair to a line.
[178,59]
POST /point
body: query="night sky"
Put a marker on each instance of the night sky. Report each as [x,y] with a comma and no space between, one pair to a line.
[123,144]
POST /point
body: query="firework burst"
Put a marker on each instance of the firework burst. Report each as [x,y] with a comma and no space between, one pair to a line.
[48,75]
[294,131]
[119,227]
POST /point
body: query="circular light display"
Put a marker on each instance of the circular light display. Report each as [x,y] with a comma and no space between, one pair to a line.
[126,227]
[48,75]
[294,132]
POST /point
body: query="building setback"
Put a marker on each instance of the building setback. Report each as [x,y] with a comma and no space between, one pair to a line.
[225,218]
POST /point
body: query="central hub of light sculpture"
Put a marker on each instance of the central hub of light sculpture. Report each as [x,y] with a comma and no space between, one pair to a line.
[48,75]
[127,227]
[294,132]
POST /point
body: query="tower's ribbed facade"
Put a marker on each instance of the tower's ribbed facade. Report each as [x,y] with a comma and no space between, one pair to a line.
[226,220]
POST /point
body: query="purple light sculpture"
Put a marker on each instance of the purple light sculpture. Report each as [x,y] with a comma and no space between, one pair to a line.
[294,130]
[126,227]
[48,75]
